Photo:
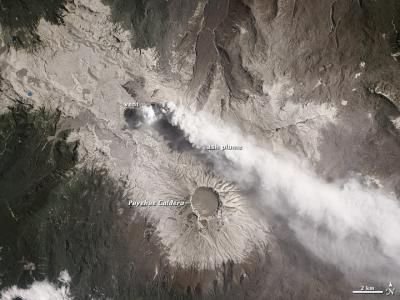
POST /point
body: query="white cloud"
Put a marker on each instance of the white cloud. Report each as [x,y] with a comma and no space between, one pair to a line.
[41,290]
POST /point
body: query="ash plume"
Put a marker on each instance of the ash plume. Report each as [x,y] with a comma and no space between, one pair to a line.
[350,225]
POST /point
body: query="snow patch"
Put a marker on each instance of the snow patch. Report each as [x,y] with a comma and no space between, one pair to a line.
[396,123]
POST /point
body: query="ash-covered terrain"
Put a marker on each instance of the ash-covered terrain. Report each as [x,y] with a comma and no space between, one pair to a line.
[201,149]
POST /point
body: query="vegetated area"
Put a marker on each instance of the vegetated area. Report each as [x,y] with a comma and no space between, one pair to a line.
[35,159]
[153,23]
[19,20]
[148,19]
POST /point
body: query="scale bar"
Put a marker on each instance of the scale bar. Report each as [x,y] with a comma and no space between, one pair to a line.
[367,292]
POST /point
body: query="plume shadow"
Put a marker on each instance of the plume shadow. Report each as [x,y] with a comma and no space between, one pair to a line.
[174,136]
